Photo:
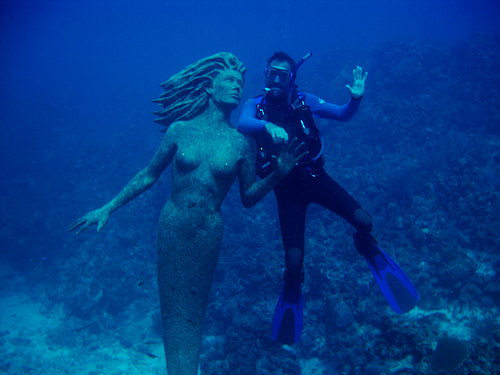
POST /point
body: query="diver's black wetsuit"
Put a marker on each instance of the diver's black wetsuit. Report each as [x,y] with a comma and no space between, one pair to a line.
[309,183]
[298,190]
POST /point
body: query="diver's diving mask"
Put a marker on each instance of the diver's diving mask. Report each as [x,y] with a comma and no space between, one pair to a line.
[278,81]
[284,75]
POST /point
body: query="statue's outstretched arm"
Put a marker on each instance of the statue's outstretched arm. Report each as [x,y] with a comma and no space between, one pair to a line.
[139,184]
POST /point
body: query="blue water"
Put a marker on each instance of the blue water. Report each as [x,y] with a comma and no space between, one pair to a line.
[422,156]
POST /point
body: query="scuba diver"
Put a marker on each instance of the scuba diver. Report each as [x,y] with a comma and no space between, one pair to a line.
[284,113]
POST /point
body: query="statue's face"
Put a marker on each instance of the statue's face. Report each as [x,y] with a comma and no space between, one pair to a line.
[227,88]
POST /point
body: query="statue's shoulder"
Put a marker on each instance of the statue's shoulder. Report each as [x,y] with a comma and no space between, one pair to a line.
[238,135]
[180,127]
[246,142]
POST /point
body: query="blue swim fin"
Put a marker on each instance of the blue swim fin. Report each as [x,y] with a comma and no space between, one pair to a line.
[288,315]
[392,281]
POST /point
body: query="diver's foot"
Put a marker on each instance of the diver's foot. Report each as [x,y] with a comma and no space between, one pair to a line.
[288,315]
[364,242]
[294,260]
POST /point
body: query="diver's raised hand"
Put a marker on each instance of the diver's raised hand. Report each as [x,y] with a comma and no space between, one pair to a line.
[291,154]
[97,217]
[358,87]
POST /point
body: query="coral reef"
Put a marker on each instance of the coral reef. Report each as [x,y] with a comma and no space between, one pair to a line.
[422,156]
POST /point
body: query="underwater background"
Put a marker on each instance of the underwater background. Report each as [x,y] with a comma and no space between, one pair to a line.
[422,155]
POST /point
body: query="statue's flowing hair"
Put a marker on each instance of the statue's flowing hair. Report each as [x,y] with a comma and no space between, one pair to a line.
[185,95]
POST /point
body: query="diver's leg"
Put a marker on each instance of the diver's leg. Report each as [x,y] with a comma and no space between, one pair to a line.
[292,209]
[187,257]
[329,194]
[288,315]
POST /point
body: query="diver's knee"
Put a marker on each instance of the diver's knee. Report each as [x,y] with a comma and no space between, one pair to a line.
[363,221]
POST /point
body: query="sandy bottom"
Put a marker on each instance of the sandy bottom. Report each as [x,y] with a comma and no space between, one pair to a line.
[36,342]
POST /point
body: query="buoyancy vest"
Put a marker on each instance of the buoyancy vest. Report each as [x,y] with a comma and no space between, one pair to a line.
[298,122]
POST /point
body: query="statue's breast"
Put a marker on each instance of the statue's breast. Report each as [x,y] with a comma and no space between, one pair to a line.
[187,159]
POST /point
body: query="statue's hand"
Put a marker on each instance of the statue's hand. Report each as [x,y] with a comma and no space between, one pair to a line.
[358,87]
[97,217]
[291,154]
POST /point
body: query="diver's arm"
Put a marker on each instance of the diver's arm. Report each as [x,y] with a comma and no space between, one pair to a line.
[252,190]
[139,184]
[330,111]
[249,124]
[345,112]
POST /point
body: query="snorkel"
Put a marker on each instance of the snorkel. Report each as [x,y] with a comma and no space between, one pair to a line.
[294,76]
[305,117]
